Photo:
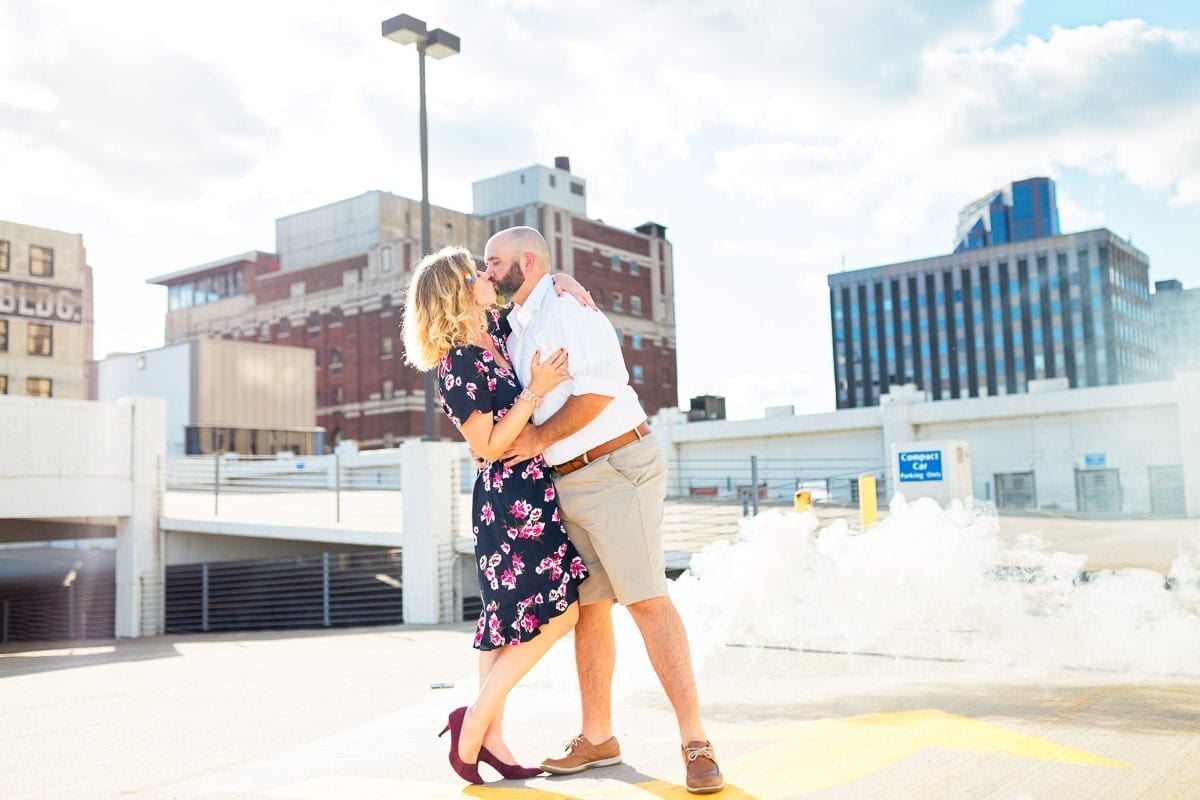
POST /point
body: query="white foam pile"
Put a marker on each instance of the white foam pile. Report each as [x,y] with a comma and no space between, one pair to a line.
[928,582]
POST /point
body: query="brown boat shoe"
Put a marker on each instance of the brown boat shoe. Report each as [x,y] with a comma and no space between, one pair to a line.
[582,754]
[703,774]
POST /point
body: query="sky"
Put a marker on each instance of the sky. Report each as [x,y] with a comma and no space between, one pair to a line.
[779,142]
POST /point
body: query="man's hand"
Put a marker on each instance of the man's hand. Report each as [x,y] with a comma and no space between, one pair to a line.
[527,445]
[480,461]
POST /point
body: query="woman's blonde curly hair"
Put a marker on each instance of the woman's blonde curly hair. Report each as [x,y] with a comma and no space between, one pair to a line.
[440,311]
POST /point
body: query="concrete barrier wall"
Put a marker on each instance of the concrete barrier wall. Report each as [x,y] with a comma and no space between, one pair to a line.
[64,458]
[1134,427]
[101,463]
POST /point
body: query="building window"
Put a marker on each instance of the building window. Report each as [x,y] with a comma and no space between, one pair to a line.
[617,302]
[635,305]
[335,396]
[634,267]
[314,322]
[3,336]
[335,360]
[385,347]
[636,341]
[39,387]
[385,259]
[638,373]
[3,384]
[615,263]
[41,262]
[577,188]
[553,182]
[385,305]
[666,376]
[4,246]
[388,389]
[264,331]
[285,326]
[335,315]
[39,340]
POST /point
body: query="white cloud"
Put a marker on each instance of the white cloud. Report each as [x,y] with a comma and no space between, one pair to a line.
[773,139]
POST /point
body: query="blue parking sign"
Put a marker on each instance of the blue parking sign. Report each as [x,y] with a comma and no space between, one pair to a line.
[920,465]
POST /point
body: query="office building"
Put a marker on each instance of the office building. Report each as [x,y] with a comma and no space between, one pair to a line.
[1021,211]
[631,274]
[1176,314]
[46,318]
[987,321]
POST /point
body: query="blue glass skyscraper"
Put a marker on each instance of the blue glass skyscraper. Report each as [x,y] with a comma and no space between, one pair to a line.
[1021,211]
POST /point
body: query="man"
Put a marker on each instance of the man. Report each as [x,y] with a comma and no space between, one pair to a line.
[610,476]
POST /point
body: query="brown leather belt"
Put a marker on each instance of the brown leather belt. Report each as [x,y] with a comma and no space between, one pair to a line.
[599,450]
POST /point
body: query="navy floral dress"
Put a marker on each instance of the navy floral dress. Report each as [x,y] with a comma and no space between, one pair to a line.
[529,572]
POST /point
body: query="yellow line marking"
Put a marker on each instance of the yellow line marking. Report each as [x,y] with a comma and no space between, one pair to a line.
[805,757]
[828,753]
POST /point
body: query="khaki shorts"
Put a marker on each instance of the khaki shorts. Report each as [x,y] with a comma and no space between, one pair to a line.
[613,511]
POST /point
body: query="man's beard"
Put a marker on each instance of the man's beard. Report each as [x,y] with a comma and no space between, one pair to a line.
[511,281]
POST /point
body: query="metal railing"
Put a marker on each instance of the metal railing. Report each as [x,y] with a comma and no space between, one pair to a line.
[315,591]
[318,484]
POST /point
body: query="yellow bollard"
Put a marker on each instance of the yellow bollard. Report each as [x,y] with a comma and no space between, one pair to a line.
[803,500]
[866,500]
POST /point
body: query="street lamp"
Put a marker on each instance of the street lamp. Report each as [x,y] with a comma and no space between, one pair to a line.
[438,44]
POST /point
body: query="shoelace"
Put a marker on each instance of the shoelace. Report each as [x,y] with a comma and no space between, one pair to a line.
[573,742]
[696,752]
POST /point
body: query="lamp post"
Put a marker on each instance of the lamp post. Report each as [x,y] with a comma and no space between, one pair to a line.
[439,44]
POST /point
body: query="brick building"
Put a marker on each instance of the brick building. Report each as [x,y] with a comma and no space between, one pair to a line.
[336,286]
[631,274]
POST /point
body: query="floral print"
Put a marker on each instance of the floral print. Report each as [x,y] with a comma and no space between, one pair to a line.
[529,572]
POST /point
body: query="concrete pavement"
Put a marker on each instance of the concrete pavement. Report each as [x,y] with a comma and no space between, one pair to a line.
[351,714]
[354,713]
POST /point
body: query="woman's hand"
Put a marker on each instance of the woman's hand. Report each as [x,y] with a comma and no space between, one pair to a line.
[565,284]
[545,375]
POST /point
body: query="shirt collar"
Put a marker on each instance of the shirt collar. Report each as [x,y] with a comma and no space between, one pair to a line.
[523,313]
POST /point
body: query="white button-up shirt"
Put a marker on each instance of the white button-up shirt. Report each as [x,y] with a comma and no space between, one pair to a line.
[546,321]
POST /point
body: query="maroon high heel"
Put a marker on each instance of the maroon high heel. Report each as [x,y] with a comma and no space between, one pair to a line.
[468,772]
[511,772]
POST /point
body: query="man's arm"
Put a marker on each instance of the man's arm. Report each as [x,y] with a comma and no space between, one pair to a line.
[578,411]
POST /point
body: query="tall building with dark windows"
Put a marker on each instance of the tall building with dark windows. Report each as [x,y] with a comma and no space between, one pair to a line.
[987,321]
[1018,212]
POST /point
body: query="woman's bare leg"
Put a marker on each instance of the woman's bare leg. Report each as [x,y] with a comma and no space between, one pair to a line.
[511,664]
[493,738]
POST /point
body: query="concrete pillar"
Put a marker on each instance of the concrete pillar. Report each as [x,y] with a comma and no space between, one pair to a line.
[139,539]
[429,485]
[1187,382]
[895,410]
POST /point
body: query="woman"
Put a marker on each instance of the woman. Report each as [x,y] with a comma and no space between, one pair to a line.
[528,570]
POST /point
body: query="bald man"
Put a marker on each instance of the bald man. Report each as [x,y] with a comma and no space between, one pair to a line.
[610,477]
